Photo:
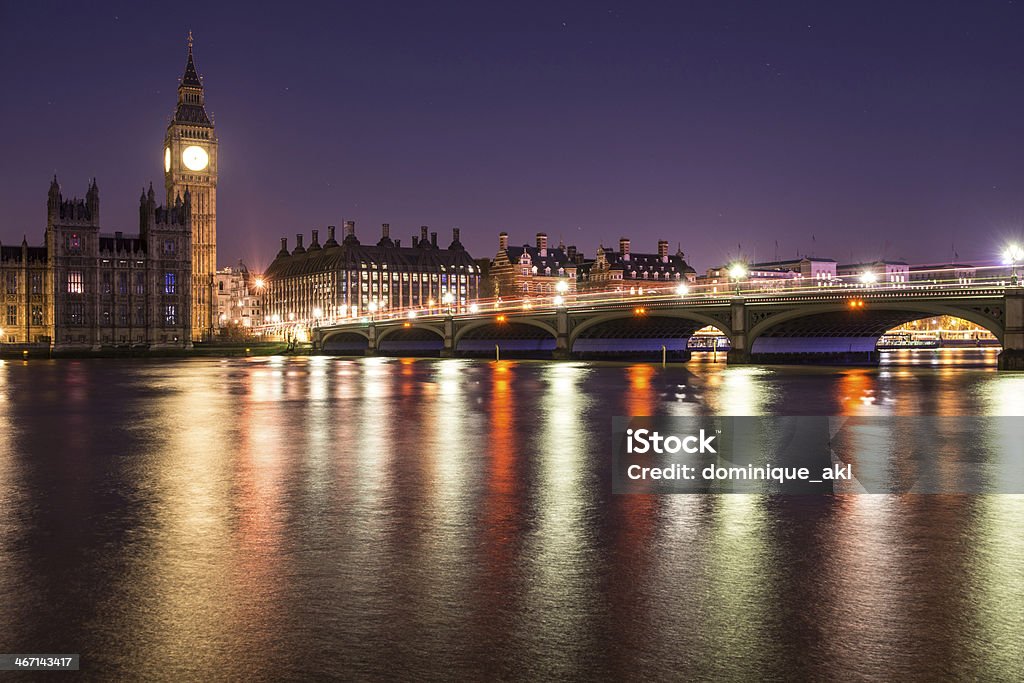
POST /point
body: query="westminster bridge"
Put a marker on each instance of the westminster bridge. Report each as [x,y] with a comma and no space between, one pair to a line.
[826,324]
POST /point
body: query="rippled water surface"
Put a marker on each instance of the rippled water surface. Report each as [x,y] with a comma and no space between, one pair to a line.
[320,517]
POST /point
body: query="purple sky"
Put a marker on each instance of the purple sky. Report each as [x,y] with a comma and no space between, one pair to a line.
[879,128]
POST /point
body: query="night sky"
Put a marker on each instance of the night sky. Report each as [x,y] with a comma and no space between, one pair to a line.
[851,130]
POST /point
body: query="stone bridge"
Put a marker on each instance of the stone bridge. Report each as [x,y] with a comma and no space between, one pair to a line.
[838,325]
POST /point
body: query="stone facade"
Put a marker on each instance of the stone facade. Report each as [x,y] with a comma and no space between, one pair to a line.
[190,163]
[86,289]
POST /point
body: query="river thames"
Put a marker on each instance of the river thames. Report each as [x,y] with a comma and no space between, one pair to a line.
[297,518]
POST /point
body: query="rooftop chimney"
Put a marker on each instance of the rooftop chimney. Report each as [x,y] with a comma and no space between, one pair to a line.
[571,252]
[314,242]
[284,247]
[433,239]
[624,248]
[350,228]
[663,250]
[542,244]
[503,241]
[299,249]
[398,243]
[330,237]
[385,230]
[455,234]
[423,235]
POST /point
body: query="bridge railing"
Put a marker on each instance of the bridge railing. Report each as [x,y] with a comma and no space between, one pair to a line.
[653,292]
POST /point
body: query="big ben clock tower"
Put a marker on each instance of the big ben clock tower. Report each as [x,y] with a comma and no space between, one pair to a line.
[190,162]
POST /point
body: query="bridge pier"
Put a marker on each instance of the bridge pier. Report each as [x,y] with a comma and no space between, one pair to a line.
[1012,355]
[448,350]
[563,351]
[739,350]
[371,346]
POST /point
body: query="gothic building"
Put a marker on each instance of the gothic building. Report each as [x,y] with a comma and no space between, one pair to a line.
[190,164]
[87,289]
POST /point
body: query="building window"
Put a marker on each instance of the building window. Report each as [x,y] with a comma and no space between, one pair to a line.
[76,314]
[169,283]
[122,283]
[140,283]
[74,242]
[140,316]
[170,314]
[168,246]
[75,282]
[37,315]
[12,283]
[122,314]
[12,315]
[106,283]
[37,283]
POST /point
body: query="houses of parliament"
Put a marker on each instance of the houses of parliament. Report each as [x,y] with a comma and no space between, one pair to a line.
[89,288]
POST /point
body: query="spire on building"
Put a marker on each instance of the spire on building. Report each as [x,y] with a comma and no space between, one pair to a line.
[191,98]
[191,77]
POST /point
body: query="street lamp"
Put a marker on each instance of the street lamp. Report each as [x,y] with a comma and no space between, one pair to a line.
[868,278]
[474,309]
[372,307]
[737,272]
[447,300]
[682,290]
[559,300]
[1013,255]
[562,287]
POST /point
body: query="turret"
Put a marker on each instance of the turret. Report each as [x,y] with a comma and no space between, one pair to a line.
[92,201]
[53,200]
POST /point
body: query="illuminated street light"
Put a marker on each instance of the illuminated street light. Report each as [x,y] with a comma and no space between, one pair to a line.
[562,287]
[447,300]
[868,278]
[737,272]
[682,290]
[259,283]
[1013,255]
[412,314]
[473,308]
[559,300]
[317,313]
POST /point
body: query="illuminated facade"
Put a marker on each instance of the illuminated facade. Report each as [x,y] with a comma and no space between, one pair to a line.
[87,289]
[614,271]
[190,165]
[239,301]
[347,278]
[533,271]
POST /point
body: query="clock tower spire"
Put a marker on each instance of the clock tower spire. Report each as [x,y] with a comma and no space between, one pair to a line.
[190,165]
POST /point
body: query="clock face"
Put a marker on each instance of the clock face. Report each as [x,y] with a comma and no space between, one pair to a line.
[195,158]
[167,159]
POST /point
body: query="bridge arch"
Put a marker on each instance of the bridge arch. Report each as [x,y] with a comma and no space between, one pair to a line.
[476,325]
[698,320]
[860,330]
[355,341]
[391,330]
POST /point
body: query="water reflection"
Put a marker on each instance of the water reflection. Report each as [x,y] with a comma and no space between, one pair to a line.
[453,518]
